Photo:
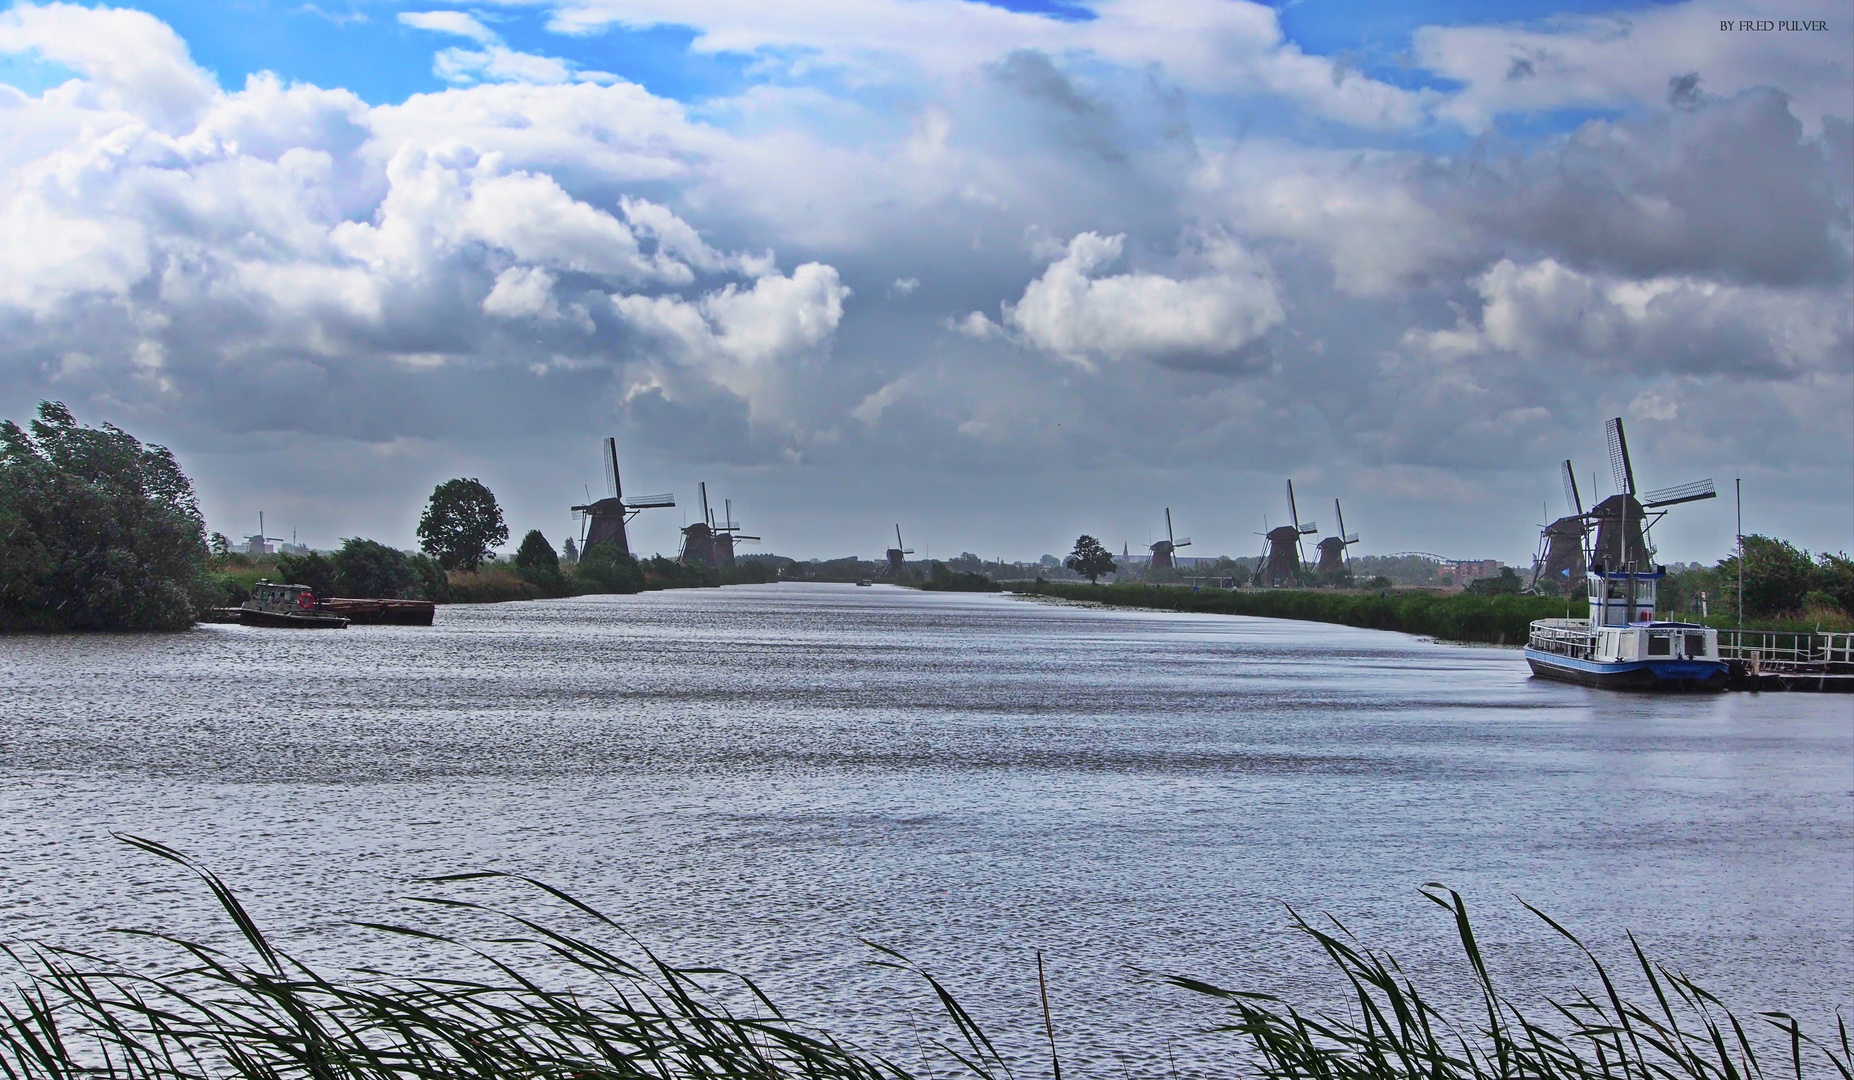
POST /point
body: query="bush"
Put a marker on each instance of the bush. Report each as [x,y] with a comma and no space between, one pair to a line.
[492,584]
[1506,584]
[97,531]
[367,568]
[603,568]
[314,570]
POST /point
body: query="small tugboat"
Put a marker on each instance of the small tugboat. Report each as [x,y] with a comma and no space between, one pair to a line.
[289,606]
[1621,645]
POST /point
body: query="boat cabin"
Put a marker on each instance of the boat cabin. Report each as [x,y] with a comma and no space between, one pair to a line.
[1622,597]
[1654,641]
[282,599]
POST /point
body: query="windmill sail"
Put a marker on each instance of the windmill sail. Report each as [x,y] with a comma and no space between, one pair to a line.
[604,520]
[1572,500]
[1620,467]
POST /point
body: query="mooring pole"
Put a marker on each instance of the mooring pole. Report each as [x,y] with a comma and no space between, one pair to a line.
[1738,497]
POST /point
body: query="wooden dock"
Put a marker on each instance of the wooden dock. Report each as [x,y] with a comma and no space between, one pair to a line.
[1820,663]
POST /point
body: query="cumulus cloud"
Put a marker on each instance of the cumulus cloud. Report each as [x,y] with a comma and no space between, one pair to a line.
[1084,317]
[778,318]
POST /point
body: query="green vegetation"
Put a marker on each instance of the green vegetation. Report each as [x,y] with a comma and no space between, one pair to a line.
[940,578]
[462,525]
[97,531]
[618,1012]
[1089,559]
[536,562]
[1499,620]
[1785,588]
[361,568]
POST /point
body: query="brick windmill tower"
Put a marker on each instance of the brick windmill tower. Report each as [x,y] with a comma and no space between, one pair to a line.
[603,522]
[1335,551]
[1561,562]
[1162,550]
[897,556]
[1281,560]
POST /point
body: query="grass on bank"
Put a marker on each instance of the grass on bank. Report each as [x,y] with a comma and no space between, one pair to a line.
[1496,620]
[268,1016]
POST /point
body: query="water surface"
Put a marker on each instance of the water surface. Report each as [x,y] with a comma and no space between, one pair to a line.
[760,776]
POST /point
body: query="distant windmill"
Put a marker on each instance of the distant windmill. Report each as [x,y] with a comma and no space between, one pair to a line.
[709,542]
[1335,551]
[897,561]
[259,544]
[1281,562]
[1621,519]
[1560,564]
[1162,550]
[603,522]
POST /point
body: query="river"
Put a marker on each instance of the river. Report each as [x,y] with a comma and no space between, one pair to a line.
[761,776]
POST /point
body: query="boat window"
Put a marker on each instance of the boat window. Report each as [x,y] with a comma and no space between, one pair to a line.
[1616,591]
[1660,644]
[1696,644]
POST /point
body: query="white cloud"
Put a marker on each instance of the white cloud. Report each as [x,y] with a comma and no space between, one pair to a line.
[1633,58]
[780,317]
[457,23]
[1085,318]
[132,62]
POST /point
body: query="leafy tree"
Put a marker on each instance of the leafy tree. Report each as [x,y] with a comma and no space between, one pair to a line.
[569,551]
[535,561]
[314,570]
[368,568]
[1776,577]
[430,582]
[1090,559]
[1835,577]
[218,545]
[462,524]
[97,531]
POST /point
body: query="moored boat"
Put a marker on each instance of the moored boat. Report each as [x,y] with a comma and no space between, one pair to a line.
[287,606]
[1621,645]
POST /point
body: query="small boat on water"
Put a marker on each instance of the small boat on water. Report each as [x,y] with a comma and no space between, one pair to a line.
[287,606]
[865,583]
[1621,645]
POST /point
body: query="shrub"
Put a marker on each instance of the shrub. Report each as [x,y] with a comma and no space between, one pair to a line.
[603,568]
[535,560]
[367,568]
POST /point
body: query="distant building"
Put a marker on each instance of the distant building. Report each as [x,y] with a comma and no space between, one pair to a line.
[1462,571]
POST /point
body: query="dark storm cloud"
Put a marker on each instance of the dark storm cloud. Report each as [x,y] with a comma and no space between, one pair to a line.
[1729,189]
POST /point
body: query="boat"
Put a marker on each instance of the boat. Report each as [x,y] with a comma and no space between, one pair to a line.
[366,611]
[865,583]
[1621,645]
[287,606]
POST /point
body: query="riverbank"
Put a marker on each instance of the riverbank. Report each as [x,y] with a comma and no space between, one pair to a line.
[1492,620]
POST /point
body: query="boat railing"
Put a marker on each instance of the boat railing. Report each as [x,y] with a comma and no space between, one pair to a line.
[1787,648]
[1565,637]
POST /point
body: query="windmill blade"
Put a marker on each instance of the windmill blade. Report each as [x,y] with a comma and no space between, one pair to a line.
[1306,527]
[1186,542]
[1693,492]
[899,546]
[1572,499]
[706,515]
[743,536]
[1293,513]
[650,502]
[1619,465]
[611,469]
[1350,538]
[1168,527]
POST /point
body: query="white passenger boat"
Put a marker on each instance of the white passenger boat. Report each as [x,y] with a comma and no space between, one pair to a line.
[1622,645]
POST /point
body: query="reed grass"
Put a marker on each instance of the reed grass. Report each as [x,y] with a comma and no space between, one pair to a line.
[271,1016]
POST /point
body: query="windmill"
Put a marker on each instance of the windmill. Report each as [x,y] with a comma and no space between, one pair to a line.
[603,522]
[1622,524]
[1281,561]
[897,563]
[1162,550]
[259,544]
[1335,551]
[1559,566]
[709,542]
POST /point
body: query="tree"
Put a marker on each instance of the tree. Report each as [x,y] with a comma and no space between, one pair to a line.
[1090,559]
[606,569]
[1776,577]
[97,531]
[569,552]
[368,568]
[536,562]
[462,524]
[315,570]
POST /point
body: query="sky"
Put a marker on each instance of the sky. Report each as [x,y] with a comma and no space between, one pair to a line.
[998,273]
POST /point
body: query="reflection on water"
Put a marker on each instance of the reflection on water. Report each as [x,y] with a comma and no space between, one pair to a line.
[759,776]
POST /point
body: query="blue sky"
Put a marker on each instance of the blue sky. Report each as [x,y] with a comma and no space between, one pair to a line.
[1002,274]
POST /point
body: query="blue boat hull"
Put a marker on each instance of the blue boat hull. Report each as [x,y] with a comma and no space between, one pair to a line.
[1701,676]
